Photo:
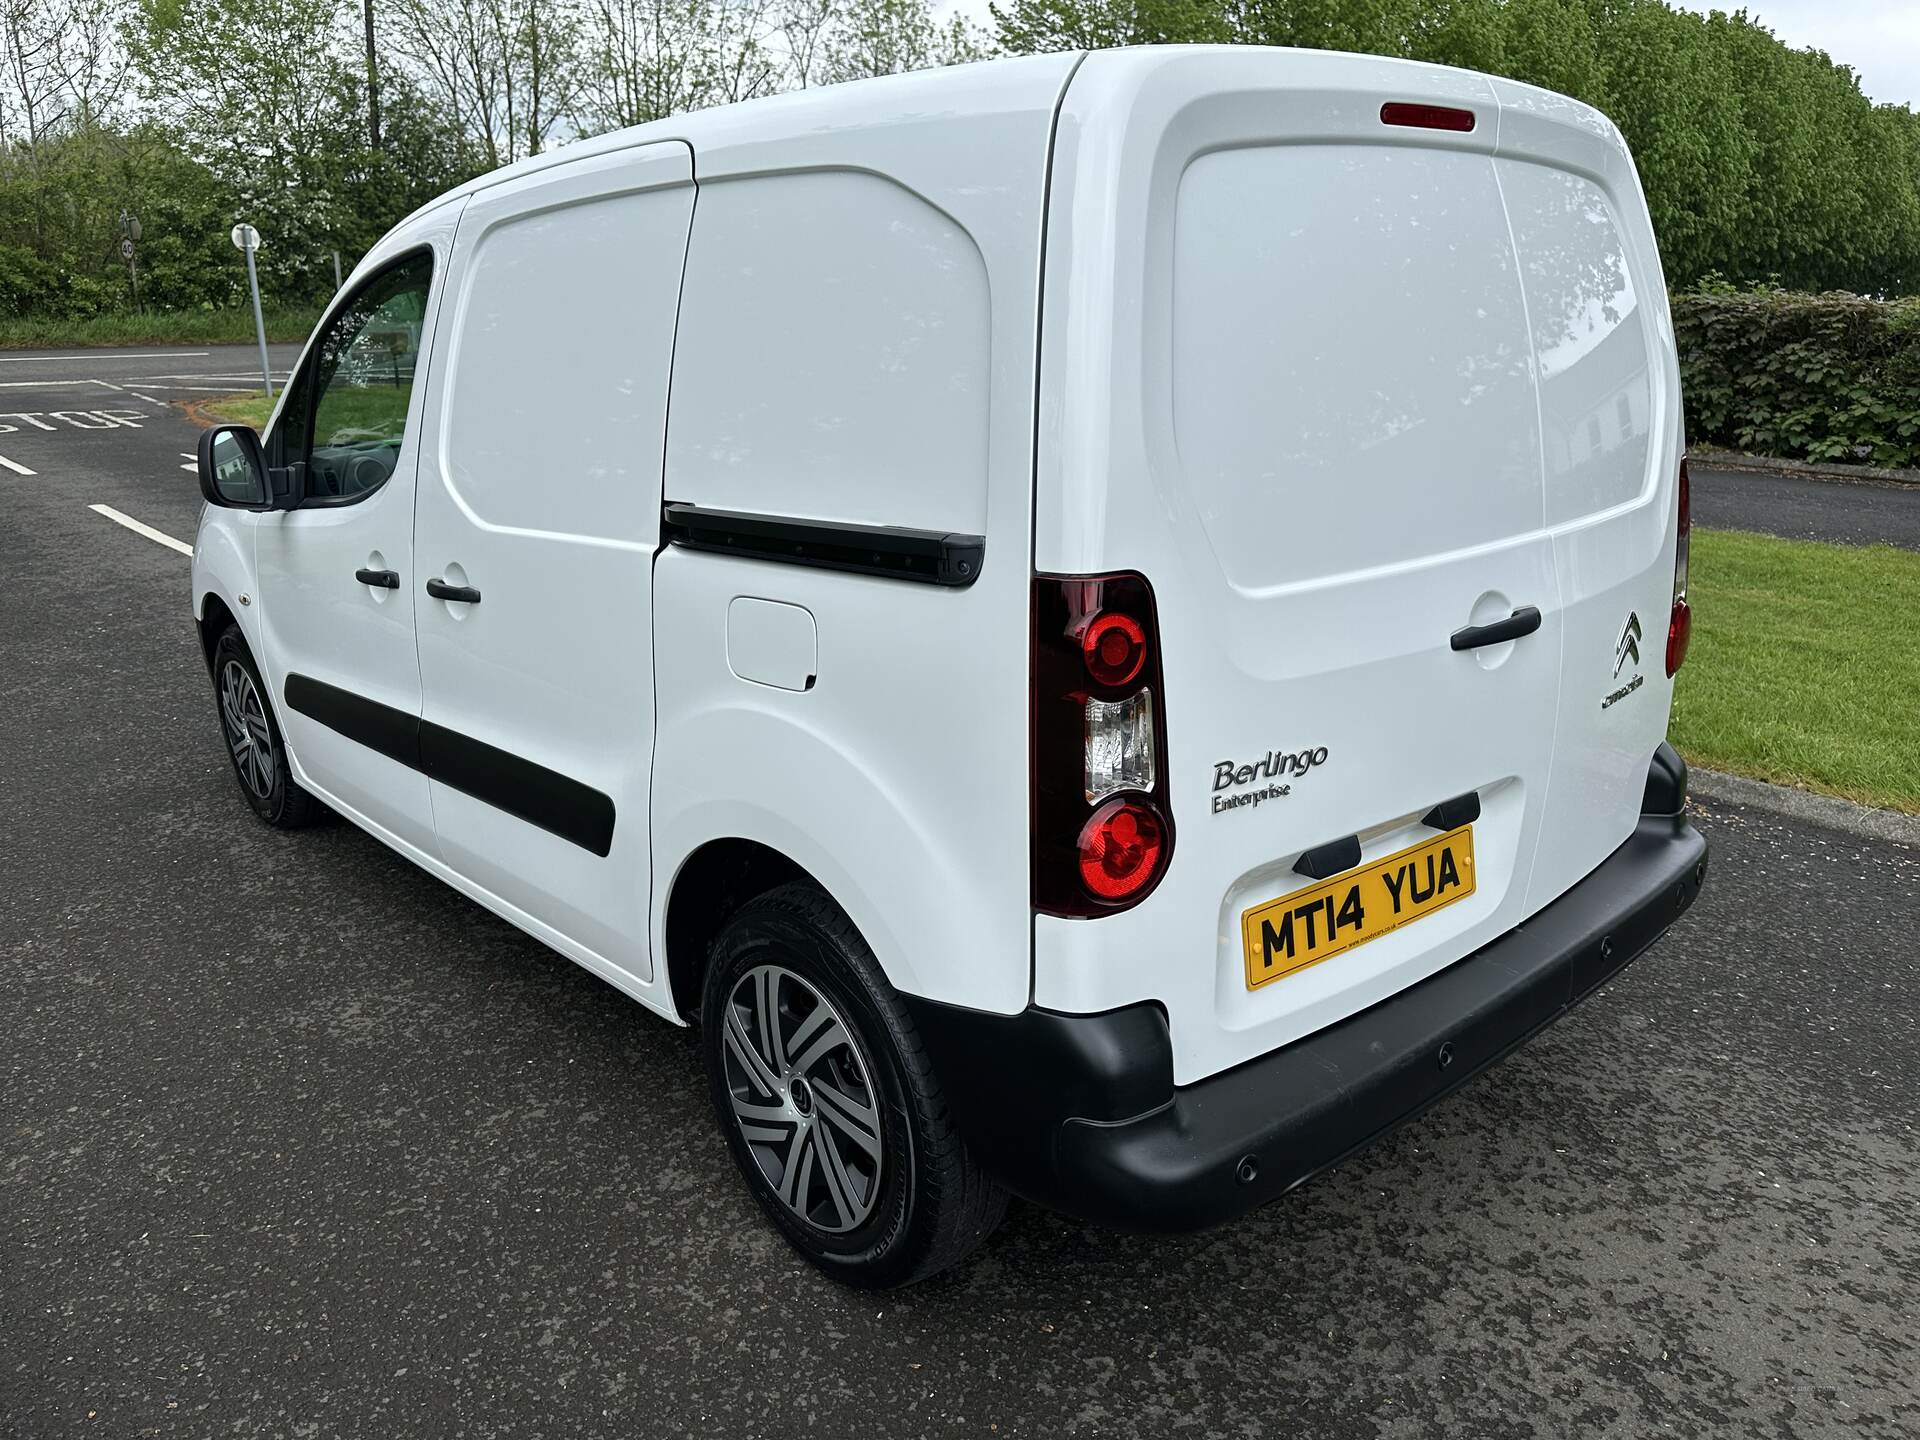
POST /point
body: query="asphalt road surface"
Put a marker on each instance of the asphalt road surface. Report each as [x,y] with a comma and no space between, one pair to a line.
[1843,512]
[299,1142]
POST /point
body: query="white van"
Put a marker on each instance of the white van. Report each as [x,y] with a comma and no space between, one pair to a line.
[1095,620]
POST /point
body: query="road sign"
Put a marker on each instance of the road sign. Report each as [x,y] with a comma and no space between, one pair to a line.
[126,247]
[246,238]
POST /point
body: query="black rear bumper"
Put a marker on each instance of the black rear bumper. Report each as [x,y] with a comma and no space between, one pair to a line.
[1080,1113]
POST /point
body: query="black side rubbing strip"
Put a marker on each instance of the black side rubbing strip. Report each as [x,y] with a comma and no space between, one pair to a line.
[503,780]
[394,733]
[932,557]
[535,794]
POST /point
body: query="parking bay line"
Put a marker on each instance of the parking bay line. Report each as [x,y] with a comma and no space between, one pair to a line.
[159,537]
[16,467]
[144,355]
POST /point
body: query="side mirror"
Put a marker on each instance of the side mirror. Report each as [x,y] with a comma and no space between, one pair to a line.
[233,468]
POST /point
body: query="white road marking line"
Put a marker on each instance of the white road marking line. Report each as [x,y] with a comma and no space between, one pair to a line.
[38,384]
[19,469]
[227,389]
[108,355]
[209,375]
[148,398]
[158,536]
[108,383]
[74,419]
[193,461]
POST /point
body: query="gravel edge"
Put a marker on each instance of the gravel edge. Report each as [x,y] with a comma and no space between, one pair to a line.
[1828,810]
[1805,469]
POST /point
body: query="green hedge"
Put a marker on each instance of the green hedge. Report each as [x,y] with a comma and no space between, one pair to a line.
[1804,377]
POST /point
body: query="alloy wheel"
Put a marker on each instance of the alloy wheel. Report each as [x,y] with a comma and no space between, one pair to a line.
[803,1097]
[247,734]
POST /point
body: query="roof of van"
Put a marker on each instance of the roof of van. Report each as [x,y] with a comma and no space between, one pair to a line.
[1017,82]
[852,105]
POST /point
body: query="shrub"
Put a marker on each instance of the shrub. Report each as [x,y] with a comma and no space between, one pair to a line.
[1808,377]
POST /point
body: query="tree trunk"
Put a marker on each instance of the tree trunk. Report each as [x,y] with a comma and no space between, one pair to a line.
[373,81]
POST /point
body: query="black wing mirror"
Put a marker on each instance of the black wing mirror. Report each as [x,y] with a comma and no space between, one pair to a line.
[233,468]
[234,473]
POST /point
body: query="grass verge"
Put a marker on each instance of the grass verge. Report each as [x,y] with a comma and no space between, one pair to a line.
[1805,666]
[155,327]
[249,408]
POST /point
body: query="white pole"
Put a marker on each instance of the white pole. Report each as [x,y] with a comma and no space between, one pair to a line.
[336,272]
[259,325]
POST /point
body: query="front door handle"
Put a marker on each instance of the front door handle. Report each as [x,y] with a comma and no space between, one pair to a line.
[381,579]
[1523,621]
[467,595]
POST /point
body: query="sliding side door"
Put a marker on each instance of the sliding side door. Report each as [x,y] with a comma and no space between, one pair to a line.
[539,512]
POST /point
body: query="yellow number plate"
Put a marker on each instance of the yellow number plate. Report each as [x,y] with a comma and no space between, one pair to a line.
[1316,924]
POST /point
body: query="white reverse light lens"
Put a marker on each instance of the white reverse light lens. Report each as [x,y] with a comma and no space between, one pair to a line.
[1119,745]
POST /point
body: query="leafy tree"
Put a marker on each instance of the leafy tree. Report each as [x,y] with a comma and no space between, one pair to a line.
[886,37]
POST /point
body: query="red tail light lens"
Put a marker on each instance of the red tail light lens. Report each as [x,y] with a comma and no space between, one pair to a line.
[1120,849]
[1101,833]
[1115,647]
[1680,620]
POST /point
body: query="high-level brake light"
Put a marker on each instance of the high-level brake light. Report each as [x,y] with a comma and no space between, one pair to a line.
[1426,117]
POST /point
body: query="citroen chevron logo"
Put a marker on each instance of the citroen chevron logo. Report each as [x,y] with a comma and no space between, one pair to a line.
[1629,646]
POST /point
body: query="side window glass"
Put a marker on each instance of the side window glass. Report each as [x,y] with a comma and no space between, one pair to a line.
[352,401]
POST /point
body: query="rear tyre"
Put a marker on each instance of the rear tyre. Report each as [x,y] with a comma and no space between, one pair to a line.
[829,1102]
[254,746]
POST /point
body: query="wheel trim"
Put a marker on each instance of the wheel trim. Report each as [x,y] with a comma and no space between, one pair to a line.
[249,739]
[803,1098]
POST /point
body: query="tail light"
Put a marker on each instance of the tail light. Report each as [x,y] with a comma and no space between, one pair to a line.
[1680,621]
[1101,831]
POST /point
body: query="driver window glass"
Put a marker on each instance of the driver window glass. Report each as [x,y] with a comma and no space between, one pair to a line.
[362,378]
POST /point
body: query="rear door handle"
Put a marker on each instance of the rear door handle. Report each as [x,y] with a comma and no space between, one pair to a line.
[467,595]
[382,579]
[1523,621]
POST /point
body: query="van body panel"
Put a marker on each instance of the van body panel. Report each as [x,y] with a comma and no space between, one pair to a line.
[541,489]
[836,363]
[857,339]
[1291,372]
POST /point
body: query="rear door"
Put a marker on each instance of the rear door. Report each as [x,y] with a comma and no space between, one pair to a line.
[1314,429]
[539,513]
[1610,439]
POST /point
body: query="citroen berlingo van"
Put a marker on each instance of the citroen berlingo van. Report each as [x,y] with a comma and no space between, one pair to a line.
[1103,624]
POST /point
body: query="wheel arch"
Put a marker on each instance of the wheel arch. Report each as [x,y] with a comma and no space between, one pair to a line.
[215,617]
[936,924]
[712,883]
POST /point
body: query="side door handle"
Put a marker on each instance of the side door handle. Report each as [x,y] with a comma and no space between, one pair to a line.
[1523,621]
[381,579]
[464,594]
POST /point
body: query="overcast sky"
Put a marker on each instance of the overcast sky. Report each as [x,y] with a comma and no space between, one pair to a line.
[1880,39]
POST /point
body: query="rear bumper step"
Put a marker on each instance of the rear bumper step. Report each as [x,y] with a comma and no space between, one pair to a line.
[1079,1112]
